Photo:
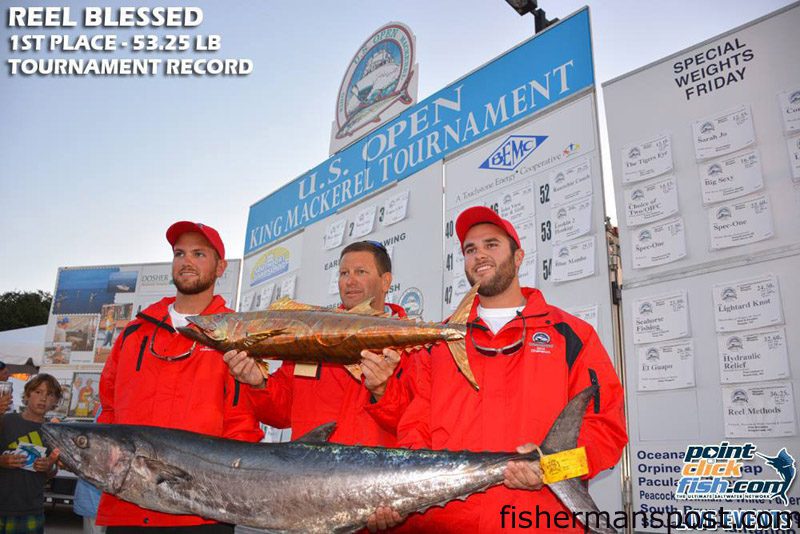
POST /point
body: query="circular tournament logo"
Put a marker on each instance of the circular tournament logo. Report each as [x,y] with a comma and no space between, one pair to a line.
[378,76]
[411,301]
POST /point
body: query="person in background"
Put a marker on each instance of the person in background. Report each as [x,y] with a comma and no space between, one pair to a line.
[155,376]
[5,388]
[366,408]
[22,483]
[87,500]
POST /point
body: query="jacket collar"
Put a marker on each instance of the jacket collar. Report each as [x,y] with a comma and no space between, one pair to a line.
[536,310]
[158,312]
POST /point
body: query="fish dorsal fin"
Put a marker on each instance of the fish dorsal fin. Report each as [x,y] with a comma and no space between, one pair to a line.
[365,308]
[321,434]
[287,304]
[355,370]
[464,307]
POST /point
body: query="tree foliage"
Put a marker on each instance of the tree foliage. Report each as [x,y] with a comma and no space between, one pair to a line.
[19,309]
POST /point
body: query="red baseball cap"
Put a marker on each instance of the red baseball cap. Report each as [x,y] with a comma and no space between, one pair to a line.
[479,215]
[181,227]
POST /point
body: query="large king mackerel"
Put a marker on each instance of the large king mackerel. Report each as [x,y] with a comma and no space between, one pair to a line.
[305,486]
[290,330]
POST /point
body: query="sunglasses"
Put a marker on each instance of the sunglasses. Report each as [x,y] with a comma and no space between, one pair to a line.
[508,350]
[169,358]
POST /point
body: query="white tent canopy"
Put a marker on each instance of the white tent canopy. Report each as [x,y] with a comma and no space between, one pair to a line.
[16,346]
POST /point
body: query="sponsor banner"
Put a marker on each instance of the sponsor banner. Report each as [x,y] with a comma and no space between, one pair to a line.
[759,410]
[753,356]
[274,262]
[666,366]
[789,102]
[572,220]
[729,178]
[658,244]
[646,159]
[510,88]
[740,223]
[746,304]
[724,133]
[651,202]
[573,260]
[661,318]
[571,183]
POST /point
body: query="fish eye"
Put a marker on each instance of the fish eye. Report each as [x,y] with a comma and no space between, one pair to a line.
[81,441]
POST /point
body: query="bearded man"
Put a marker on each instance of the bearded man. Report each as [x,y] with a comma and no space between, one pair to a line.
[157,377]
[530,359]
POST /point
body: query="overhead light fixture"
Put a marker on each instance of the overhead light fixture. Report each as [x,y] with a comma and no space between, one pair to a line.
[524,7]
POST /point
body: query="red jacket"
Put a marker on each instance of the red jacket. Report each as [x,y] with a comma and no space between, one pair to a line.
[519,399]
[196,393]
[304,403]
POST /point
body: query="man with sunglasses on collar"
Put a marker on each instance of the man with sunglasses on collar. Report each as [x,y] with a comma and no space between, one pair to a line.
[157,377]
[365,403]
[530,359]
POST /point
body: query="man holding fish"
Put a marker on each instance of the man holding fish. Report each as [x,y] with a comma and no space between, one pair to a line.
[365,399]
[157,377]
[529,359]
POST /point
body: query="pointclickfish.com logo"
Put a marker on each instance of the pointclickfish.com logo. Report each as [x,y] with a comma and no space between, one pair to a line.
[716,472]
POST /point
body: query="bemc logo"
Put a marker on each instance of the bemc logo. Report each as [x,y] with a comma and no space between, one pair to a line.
[512,152]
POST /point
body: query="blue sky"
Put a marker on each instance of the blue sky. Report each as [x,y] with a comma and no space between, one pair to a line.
[95,169]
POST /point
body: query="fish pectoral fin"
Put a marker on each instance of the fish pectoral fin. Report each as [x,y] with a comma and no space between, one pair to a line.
[461,314]
[165,472]
[364,308]
[287,304]
[355,370]
[321,434]
[251,339]
[458,349]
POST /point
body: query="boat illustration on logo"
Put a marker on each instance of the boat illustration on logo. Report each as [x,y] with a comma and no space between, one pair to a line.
[706,127]
[377,77]
[634,153]
[739,396]
[735,343]
[728,294]
[723,213]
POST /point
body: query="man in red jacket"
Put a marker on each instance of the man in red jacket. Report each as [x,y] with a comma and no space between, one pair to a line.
[155,376]
[367,406]
[530,359]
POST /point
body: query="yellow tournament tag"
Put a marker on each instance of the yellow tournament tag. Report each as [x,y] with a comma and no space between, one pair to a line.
[563,465]
[305,369]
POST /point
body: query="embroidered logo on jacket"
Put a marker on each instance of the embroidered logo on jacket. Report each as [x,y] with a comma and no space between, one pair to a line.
[540,342]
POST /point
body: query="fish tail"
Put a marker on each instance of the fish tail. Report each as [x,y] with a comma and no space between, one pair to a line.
[458,349]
